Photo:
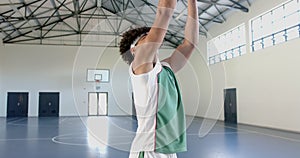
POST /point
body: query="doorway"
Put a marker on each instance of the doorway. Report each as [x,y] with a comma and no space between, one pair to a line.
[17,104]
[98,104]
[48,104]
[230,106]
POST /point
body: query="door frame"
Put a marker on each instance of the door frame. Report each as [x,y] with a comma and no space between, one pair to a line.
[38,101]
[88,105]
[236,106]
[17,91]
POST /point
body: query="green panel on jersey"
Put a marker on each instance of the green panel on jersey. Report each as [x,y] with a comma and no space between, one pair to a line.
[141,154]
[170,126]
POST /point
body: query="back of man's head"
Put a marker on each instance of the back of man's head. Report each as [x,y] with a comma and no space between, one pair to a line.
[128,38]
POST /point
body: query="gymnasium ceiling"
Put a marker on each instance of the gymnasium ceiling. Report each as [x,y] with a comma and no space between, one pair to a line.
[100,22]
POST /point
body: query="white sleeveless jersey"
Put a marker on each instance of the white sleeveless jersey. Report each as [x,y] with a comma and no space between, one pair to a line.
[159,110]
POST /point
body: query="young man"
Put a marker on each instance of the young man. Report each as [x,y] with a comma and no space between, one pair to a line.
[161,129]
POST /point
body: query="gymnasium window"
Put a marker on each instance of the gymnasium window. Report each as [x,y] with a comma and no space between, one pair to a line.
[228,45]
[278,25]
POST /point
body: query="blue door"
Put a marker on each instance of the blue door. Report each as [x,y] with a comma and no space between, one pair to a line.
[17,104]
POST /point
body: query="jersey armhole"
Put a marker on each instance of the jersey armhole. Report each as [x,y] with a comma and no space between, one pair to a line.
[164,63]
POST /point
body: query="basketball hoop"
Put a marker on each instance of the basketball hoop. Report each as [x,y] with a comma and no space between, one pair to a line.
[97,85]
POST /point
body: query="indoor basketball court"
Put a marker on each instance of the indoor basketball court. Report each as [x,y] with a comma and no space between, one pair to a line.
[65,91]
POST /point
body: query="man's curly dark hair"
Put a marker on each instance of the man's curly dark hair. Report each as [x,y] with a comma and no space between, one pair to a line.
[128,39]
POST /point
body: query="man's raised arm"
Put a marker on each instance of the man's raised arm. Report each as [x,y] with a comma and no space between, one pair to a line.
[146,52]
[182,53]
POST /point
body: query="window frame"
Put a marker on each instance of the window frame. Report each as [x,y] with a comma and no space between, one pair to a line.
[224,54]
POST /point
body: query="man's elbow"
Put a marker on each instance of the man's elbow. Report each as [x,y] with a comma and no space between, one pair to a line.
[190,44]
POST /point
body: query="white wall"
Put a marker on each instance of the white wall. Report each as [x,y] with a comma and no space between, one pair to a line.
[38,68]
[267,81]
[42,68]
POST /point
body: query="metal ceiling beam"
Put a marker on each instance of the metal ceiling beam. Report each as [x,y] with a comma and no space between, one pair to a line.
[242,8]
[116,7]
[235,5]
[12,25]
[47,31]
[41,13]
[55,11]
[19,7]
[121,13]
[108,20]
[45,25]
[31,13]
[225,11]
[3,32]
[64,4]
[89,18]
[83,4]
[120,8]
[122,17]
[54,16]
[204,10]
[29,18]
[214,20]
[36,9]
[8,4]
[76,12]
[219,12]
[25,20]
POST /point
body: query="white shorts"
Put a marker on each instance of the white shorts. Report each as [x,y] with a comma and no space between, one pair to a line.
[152,154]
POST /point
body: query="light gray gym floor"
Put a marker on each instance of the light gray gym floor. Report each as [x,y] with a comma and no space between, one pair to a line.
[110,137]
